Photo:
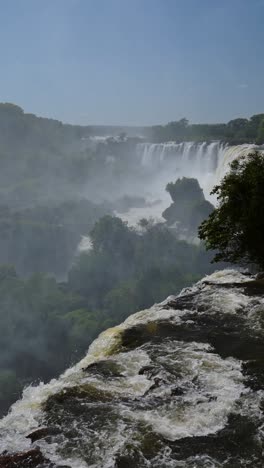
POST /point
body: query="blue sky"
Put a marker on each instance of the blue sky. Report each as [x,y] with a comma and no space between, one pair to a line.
[133,61]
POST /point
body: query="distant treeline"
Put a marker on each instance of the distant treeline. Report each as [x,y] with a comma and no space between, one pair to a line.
[44,161]
[29,131]
[235,132]
[46,132]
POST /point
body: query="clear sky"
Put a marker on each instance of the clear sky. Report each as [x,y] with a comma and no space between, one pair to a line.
[133,61]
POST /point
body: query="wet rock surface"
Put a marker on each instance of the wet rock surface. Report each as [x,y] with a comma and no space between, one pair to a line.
[236,439]
[30,459]
[42,433]
[183,388]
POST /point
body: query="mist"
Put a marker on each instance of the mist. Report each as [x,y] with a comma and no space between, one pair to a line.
[119,123]
[97,222]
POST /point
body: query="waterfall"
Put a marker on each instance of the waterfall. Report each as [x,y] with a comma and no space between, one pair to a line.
[204,156]
[161,163]
[229,155]
[172,160]
[206,161]
[169,380]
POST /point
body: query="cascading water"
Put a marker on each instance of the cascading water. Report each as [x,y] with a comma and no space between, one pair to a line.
[165,162]
[187,156]
[229,155]
[208,162]
[177,385]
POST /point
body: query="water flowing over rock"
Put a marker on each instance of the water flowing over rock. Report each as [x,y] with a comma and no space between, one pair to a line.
[161,163]
[177,385]
[206,161]
[203,155]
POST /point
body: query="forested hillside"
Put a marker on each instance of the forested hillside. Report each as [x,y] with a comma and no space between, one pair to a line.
[46,325]
[57,185]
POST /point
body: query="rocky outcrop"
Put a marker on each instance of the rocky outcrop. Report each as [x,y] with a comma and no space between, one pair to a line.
[180,384]
[189,207]
[30,459]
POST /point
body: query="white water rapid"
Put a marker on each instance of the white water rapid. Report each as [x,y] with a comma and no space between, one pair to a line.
[151,389]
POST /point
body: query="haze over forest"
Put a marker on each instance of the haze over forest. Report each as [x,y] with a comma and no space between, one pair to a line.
[131,160]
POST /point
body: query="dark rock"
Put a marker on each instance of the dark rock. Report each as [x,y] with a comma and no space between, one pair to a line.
[189,207]
[87,392]
[260,275]
[232,443]
[149,371]
[30,459]
[132,459]
[42,432]
[257,284]
[254,373]
[177,391]
[107,368]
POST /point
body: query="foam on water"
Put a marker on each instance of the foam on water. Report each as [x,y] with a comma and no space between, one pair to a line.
[210,387]
[226,276]
[230,154]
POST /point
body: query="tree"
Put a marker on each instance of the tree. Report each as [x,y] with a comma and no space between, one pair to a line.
[237,124]
[111,234]
[260,135]
[235,229]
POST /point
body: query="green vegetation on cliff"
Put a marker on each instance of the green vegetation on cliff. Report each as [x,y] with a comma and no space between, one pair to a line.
[235,229]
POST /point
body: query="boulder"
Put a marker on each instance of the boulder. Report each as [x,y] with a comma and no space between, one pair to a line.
[29,459]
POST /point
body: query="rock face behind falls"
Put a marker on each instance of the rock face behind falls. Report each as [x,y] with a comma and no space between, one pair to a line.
[177,385]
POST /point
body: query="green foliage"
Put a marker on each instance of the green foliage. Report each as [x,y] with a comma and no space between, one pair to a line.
[45,325]
[37,340]
[110,234]
[113,276]
[45,238]
[236,227]
[236,131]
[122,301]
[83,327]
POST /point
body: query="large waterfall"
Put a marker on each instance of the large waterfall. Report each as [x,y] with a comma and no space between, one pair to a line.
[192,156]
[177,385]
[208,162]
[165,162]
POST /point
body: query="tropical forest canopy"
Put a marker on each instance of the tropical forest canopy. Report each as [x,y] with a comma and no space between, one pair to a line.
[47,325]
[56,186]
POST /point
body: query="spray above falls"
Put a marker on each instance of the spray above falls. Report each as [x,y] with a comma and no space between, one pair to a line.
[202,155]
[206,161]
[161,163]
